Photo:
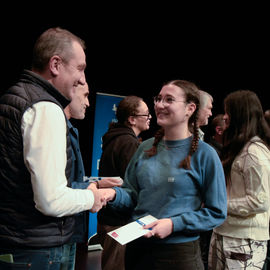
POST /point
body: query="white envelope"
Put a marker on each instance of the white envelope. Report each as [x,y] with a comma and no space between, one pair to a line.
[132,231]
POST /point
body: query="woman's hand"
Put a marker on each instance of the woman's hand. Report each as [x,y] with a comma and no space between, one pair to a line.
[160,228]
[108,193]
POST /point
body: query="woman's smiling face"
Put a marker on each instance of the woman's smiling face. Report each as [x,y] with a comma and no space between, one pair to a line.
[170,106]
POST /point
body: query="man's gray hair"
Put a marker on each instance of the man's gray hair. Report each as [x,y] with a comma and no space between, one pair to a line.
[204,97]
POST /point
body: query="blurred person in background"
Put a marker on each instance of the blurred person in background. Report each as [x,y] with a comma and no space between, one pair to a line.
[119,144]
[241,241]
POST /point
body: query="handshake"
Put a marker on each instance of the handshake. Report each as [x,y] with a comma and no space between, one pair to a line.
[103,192]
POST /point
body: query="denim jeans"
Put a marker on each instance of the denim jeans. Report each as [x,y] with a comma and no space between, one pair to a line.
[56,258]
[68,258]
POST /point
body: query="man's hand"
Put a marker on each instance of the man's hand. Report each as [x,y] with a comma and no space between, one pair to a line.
[108,194]
[99,199]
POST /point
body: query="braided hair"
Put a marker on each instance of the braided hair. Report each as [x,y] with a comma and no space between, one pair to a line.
[191,93]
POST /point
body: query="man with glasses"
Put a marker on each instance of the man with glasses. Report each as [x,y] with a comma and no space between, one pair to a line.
[120,142]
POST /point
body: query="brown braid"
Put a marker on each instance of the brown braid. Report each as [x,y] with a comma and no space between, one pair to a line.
[194,143]
[158,136]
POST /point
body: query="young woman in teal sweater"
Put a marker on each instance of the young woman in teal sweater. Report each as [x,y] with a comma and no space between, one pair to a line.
[176,178]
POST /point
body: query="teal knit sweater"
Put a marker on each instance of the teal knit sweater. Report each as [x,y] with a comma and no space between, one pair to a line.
[194,199]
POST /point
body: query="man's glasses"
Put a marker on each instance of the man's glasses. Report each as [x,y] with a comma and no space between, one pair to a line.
[167,100]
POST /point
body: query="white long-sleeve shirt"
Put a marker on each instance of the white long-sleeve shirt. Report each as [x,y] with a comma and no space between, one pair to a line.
[44,141]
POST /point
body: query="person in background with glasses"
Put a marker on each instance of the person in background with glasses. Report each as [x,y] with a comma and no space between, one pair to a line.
[119,144]
[170,177]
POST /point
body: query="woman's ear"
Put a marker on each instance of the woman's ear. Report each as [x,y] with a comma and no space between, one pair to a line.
[131,120]
[191,107]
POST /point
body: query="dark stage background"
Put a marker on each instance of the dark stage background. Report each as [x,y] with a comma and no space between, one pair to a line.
[134,50]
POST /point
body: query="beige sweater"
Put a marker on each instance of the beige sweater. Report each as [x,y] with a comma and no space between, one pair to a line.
[249,194]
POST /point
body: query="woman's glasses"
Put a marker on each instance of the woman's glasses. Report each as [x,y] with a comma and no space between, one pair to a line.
[166,101]
[148,115]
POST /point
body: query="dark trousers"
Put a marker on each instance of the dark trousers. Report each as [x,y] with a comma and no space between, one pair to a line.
[113,254]
[183,256]
[205,239]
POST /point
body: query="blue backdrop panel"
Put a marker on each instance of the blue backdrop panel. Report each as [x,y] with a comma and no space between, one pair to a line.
[105,109]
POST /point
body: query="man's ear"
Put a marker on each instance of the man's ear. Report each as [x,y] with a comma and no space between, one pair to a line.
[54,64]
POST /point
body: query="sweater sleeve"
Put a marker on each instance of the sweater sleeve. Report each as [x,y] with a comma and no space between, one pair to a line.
[213,209]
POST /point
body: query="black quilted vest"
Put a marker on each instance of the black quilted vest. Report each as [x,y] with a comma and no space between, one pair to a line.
[21,224]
